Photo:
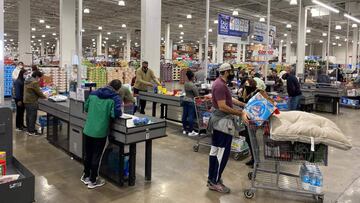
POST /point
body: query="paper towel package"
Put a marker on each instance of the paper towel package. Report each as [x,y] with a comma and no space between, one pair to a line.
[259,109]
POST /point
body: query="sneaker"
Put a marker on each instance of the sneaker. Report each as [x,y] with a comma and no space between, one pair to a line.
[18,129]
[98,183]
[219,187]
[250,162]
[86,180]
[193,134]
[184,132]
[34,134]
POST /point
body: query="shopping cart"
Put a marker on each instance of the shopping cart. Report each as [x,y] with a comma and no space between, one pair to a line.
[204,110]
[272,158]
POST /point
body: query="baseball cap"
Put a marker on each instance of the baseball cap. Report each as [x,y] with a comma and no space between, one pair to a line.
[225,67]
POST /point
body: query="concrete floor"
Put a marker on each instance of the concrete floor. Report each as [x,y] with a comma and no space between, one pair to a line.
[179,174]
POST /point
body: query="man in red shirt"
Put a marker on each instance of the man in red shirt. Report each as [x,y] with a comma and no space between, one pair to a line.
[222,127]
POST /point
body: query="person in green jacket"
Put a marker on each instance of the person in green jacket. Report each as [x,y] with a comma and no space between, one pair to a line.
[102,105]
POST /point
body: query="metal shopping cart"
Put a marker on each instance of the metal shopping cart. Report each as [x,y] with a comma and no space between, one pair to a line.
[272,158]
[204,110]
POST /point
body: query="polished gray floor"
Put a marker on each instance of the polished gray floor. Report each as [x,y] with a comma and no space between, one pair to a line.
[179,174]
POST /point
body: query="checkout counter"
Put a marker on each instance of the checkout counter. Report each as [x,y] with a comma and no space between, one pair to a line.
[65,122]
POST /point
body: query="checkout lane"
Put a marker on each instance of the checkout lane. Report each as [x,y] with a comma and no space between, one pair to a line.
[65,121]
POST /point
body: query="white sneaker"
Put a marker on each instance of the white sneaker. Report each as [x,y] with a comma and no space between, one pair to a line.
[86,180]
[98,183]
[184,132]
[193,134]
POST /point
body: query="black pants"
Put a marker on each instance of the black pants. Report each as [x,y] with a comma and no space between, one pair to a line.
[142,102]
[20,111]
[245,133]
[94,148]
[31,115]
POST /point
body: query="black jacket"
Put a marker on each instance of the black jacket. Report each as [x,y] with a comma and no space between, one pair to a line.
[293,86]
[19,89]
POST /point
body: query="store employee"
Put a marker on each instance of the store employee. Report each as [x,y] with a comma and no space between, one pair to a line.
[144,77]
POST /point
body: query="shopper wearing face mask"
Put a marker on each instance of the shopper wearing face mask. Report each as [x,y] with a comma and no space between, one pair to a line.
[144,77]
[17,70]
[222,127]
[293,89]
[32,94]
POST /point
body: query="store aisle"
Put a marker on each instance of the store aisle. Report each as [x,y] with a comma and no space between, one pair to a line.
[179,174]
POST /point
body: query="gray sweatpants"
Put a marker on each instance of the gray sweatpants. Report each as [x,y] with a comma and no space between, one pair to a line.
[31,116]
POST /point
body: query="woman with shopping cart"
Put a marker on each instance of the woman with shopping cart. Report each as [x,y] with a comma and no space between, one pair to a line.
[222,126]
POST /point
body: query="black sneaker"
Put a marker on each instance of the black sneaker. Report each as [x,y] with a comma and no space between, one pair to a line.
[250,163]
[98,183]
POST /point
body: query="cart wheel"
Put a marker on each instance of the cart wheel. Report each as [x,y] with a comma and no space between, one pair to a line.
[196,148]
[319,198]
[236,156]
[249,194]
[250,175]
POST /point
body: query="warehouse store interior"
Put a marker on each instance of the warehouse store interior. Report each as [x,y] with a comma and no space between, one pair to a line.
[179,101]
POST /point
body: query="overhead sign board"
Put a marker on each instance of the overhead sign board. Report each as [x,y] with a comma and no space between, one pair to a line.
[233,26]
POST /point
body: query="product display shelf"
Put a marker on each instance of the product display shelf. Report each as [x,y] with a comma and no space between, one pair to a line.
[22,189]
[123,134]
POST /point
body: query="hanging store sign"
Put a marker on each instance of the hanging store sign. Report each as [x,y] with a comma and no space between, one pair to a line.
[270,53]
[232,26]
[259,33]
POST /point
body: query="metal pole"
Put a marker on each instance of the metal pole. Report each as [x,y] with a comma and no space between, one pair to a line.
[79,40]
[328,45]
[347,45]
[267,39]
[207,38]
[1,52]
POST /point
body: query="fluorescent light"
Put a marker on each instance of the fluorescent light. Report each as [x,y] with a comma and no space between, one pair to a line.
[54,34]
[33,29]
[11,40]
[82,30]
[181,26]
[334,43]
[189,16]
[32,41]
[43,36]
[181,41]
[100,27]
[121,37]
[106,38]
[352,18]
[345,40]
[123,25]
[338,27]
[47,26]
[216,22]
[182,33]
[121,3]
[251,44]
[5,34]
[235,13]
[308,31]
[47,43]
[281,40]
[339,45]
[109,33]
[285,35]
[41,21]
[321,41]
[262,19]
[33,36]
[86,10]
[306,44]
[93,40]
[210,30]
[324,34]
[39,40]
[325,6]
[291,42]
[337,37]
[181,37]
[293,2]
[354,25]
[56,38]
[288,26]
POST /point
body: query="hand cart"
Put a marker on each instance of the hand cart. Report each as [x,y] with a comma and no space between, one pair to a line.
[204,110]
[272,158]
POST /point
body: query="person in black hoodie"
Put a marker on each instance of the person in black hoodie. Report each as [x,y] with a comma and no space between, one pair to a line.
[293,89]
[18,97]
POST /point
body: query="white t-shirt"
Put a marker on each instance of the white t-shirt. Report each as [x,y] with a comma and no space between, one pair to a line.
[15,73]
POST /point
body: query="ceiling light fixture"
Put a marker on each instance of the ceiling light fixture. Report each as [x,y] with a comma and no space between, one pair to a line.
[123,25]
[337,37]
[288,26]
[121,3]
[345,40]
[334,43]
[325,6]
[352,18]
[39,40]
[11,40]
[33,36]
[82,30]
[262,19]
[100,28]
[354,25]
[306,44]
[181,37]
[293,2]
[189,16]
[291,42]
[308,31]
[235,13]
[41,21]
[181,26]
[33,29]
[86,10]
[338,27]
[43,36]
[181,41]
[321,41]
[47,26]
[121,37]
[54,34]
[210,30]
[324,34]
[93,40]
[285,35]
[5,34]
[182,33]
[106,38]
[281,41]
[216,22]
[339,45]
[109,33]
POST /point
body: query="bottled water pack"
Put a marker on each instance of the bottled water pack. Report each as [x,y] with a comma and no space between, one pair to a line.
[311,178]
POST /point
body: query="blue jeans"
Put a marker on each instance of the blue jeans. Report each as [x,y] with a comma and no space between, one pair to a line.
[294,103]
[188,116]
